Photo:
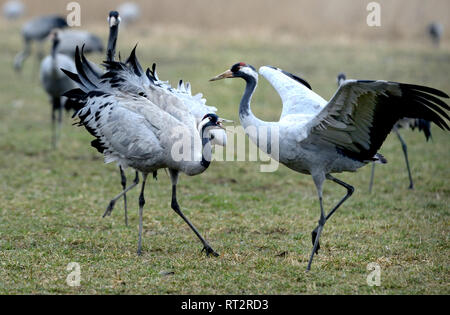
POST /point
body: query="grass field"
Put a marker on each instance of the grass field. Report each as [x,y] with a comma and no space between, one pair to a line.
[51,202]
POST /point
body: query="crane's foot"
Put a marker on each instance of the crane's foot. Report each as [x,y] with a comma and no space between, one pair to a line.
[109,209]
[314,235]
[209,251]
[411,186]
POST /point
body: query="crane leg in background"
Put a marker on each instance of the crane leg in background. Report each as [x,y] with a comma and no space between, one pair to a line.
[56,125]
[372,176]
[206,247]
[405,152]
[141,210]
[124,186]
[39,56]
[350,190]
[113,201]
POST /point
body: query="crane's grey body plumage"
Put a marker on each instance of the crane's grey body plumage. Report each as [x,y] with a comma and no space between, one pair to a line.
[319,138]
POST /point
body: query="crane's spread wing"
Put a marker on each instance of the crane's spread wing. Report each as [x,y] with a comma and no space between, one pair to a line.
[361,114]
[295,93]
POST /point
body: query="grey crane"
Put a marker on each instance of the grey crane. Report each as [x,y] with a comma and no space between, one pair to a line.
[13,9]
[137,122]
[37,30]
[435,31]
[319,138]
[411,123]
[56,83]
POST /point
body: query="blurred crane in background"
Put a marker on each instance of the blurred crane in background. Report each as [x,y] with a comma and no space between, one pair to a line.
[37,30]
[13,10]
[317,137]
[70,39]
[129,12]
[435,31]
[56,83]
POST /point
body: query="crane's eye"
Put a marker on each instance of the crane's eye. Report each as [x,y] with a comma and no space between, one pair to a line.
[236,67]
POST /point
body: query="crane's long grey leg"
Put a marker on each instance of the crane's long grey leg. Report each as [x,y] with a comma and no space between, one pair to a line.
[350,190]
[405,153]
[372,175]
[20,58]
[123,181]
[113,201]
[206,247]
[141,210]
[53,127]
[318,180]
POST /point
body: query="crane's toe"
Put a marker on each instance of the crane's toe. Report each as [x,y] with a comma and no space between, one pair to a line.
[209,251]
[314,235]
[109,208]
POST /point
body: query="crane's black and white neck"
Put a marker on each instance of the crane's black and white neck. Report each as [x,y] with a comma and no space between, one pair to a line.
[113,21]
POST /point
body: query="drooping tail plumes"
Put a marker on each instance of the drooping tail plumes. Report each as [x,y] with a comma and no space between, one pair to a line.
[424,126]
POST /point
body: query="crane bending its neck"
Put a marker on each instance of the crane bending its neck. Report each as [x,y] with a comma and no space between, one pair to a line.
[195,165]
[206,148]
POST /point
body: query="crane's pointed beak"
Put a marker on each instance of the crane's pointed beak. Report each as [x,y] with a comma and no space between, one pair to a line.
[221,121]
[226,74]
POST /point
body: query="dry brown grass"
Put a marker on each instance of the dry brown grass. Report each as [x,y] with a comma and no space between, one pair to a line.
[400,19]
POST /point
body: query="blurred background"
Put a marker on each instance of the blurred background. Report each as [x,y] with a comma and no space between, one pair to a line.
[345,19]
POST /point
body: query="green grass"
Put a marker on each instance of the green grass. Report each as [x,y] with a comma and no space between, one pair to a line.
[51,202]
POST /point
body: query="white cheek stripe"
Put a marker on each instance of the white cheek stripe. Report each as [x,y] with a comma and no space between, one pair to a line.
[250,72]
